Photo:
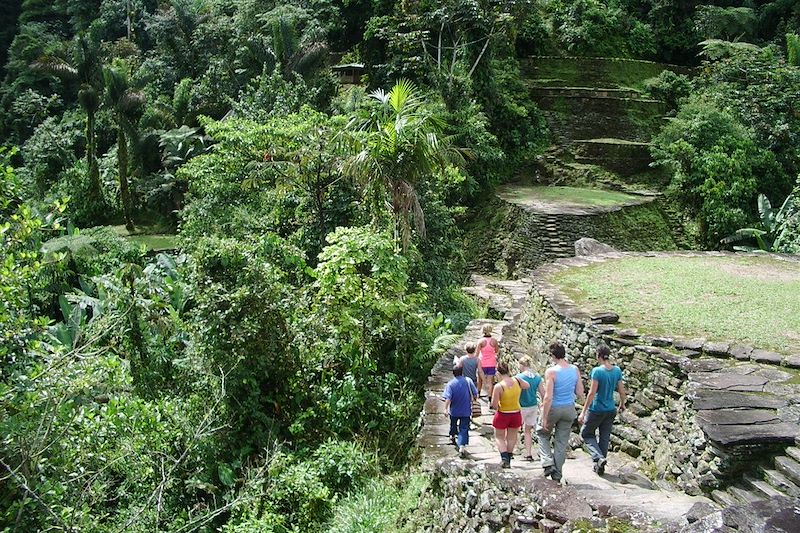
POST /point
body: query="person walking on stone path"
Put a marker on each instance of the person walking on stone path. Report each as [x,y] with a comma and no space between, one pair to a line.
[599,410]
[507,418]
[470,362]
[529,408]
[488,348]
[562,385]
[459,393]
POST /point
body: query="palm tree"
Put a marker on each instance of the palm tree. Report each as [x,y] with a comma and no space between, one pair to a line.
[127,105]
[87,69]
[400,145]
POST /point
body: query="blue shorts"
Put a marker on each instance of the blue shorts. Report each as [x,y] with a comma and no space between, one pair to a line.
[489,370]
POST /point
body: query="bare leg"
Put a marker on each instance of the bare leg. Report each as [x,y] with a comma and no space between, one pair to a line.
[528,440]
[488,381]
[500,439]
[511,439]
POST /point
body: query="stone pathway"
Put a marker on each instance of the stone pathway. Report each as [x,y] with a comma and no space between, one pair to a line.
[622,491]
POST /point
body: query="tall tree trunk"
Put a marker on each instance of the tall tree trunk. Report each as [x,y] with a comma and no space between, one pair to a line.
[124,191]
[95,189]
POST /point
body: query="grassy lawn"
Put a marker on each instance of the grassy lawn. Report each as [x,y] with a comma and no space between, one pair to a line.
[749,299]
[567,196]
[152,237]
[590,73]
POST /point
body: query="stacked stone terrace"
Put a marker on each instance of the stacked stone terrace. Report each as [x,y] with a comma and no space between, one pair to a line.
[714,416]
[665,440]
[600,121]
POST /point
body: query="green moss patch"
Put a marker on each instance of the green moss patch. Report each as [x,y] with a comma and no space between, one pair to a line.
[567,196]
[744,299]
[156,242]
[595,72]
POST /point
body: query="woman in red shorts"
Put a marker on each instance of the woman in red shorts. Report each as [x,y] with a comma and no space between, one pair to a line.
[507,418]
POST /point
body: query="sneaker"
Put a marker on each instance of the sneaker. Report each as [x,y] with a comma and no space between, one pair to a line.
[528,458]
[453,440]
[548,471]
[601,466]
[505,464]
[462,451]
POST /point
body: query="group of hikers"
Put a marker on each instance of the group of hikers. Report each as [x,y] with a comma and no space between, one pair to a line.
[515,400]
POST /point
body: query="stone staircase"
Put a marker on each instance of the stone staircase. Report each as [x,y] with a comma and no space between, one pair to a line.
[779,478]
[600,120]
[481,497]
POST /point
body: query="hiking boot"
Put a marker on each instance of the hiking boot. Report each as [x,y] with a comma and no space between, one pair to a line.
[453,440]
[505,464]
[549,471]
[601,466]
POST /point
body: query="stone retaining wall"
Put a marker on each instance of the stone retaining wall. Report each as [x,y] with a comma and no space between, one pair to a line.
[682,392]
[509,238]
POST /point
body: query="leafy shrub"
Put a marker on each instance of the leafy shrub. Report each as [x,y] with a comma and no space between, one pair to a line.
[95,251]
[343,465]
[240,321]
[717,167]
[52,148]
[298,493]
[600,28]
[668,87]
[388,505]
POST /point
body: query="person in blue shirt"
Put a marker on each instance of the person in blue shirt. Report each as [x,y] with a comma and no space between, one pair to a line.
[459,394]
[529,402]
[599,410]
[562,384]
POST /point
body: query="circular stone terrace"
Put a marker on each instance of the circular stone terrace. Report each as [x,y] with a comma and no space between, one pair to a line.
[744,306]
[553,200]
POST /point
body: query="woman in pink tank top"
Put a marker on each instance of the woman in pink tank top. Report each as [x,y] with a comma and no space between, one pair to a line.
[488,348]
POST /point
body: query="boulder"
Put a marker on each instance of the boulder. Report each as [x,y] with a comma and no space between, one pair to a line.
[587,246]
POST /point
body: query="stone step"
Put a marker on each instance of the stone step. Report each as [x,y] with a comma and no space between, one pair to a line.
[724,498]
[794,453]
[762,486]
[789,468]
[745,495]
[780,482]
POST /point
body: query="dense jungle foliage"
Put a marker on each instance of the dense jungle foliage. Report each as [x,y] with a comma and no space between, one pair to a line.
[261,375]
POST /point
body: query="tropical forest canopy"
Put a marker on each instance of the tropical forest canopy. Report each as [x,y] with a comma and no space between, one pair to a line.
[268,365]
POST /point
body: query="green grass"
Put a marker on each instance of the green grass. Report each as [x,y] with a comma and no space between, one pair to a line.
[390,504]
[748,299]
[153,238]
[587,72]
[567,196]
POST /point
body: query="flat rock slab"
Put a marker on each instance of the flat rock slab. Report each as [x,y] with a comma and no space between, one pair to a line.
[764,356]
[703,365]
[735,417]
[729,381]
[737,435]
[775,515]
[704,399]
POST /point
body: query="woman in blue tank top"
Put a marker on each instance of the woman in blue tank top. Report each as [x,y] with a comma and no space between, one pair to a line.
[562,385]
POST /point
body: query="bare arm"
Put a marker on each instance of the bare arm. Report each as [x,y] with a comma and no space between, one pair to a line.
[622,395]
[579,387]
[540,389]
[447,408]
[588,402]
[496,397]
[548,397]
[524,384]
